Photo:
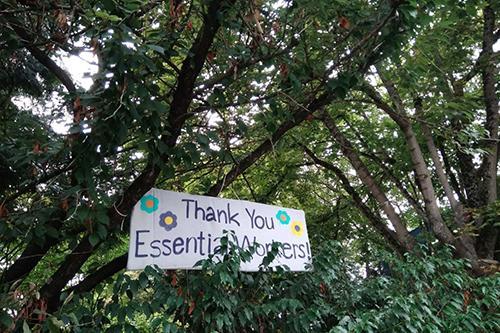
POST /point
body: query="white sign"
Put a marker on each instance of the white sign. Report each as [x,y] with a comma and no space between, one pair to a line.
[176,230]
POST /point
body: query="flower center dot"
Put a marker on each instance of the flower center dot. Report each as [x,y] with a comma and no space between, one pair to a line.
[297,228]
[168,220]
[149,204]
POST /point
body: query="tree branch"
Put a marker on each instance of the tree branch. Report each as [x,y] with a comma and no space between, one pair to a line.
[399,185]
[363,173]
[178,114]
[298,116]
[453,180]
[32,254]
[108,270]
[463,245]
[182,97]
[239,67]
[372,217]
[44,59]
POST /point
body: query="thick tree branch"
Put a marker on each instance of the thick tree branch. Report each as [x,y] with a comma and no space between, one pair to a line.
[298,116]
[453,179]
[458,210]
[395,180]
[488,235]
[44,59]
[463,247]
[366,178]
[31,255]
[108,270]
[399,185]
[375,219]
[182,97]
[479,65]
[178,115]
[489,72]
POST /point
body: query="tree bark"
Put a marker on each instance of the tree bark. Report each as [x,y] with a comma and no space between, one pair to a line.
[182,98]
[458,210]
[399,185]
[463,248]
[298,117]
[374,218]
[489,233]
[347,149]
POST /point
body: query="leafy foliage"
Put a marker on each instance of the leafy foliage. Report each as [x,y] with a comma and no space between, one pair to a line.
[427,293]
[230,98]
[333,296]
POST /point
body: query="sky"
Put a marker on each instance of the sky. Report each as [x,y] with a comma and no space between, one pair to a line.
[81,68]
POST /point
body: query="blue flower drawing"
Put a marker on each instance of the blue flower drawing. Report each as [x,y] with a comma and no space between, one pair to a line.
[168,220]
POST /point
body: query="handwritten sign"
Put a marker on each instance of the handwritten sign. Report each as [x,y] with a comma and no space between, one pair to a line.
[176,230]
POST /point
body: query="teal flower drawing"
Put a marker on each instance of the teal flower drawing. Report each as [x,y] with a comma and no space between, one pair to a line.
[283,217]
[149,203]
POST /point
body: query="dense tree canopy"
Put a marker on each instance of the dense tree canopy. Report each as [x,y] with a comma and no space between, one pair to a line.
[378,118]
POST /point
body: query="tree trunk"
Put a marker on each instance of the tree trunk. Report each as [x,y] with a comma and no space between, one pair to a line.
[463,248]
[489,233]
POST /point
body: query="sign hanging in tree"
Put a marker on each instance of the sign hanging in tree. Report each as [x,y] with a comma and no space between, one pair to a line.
[176,230]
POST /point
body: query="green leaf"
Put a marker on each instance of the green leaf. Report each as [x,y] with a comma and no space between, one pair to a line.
[54,324]
[156,48]
[26,328]
[106,16]
[94,239]
[5,319]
